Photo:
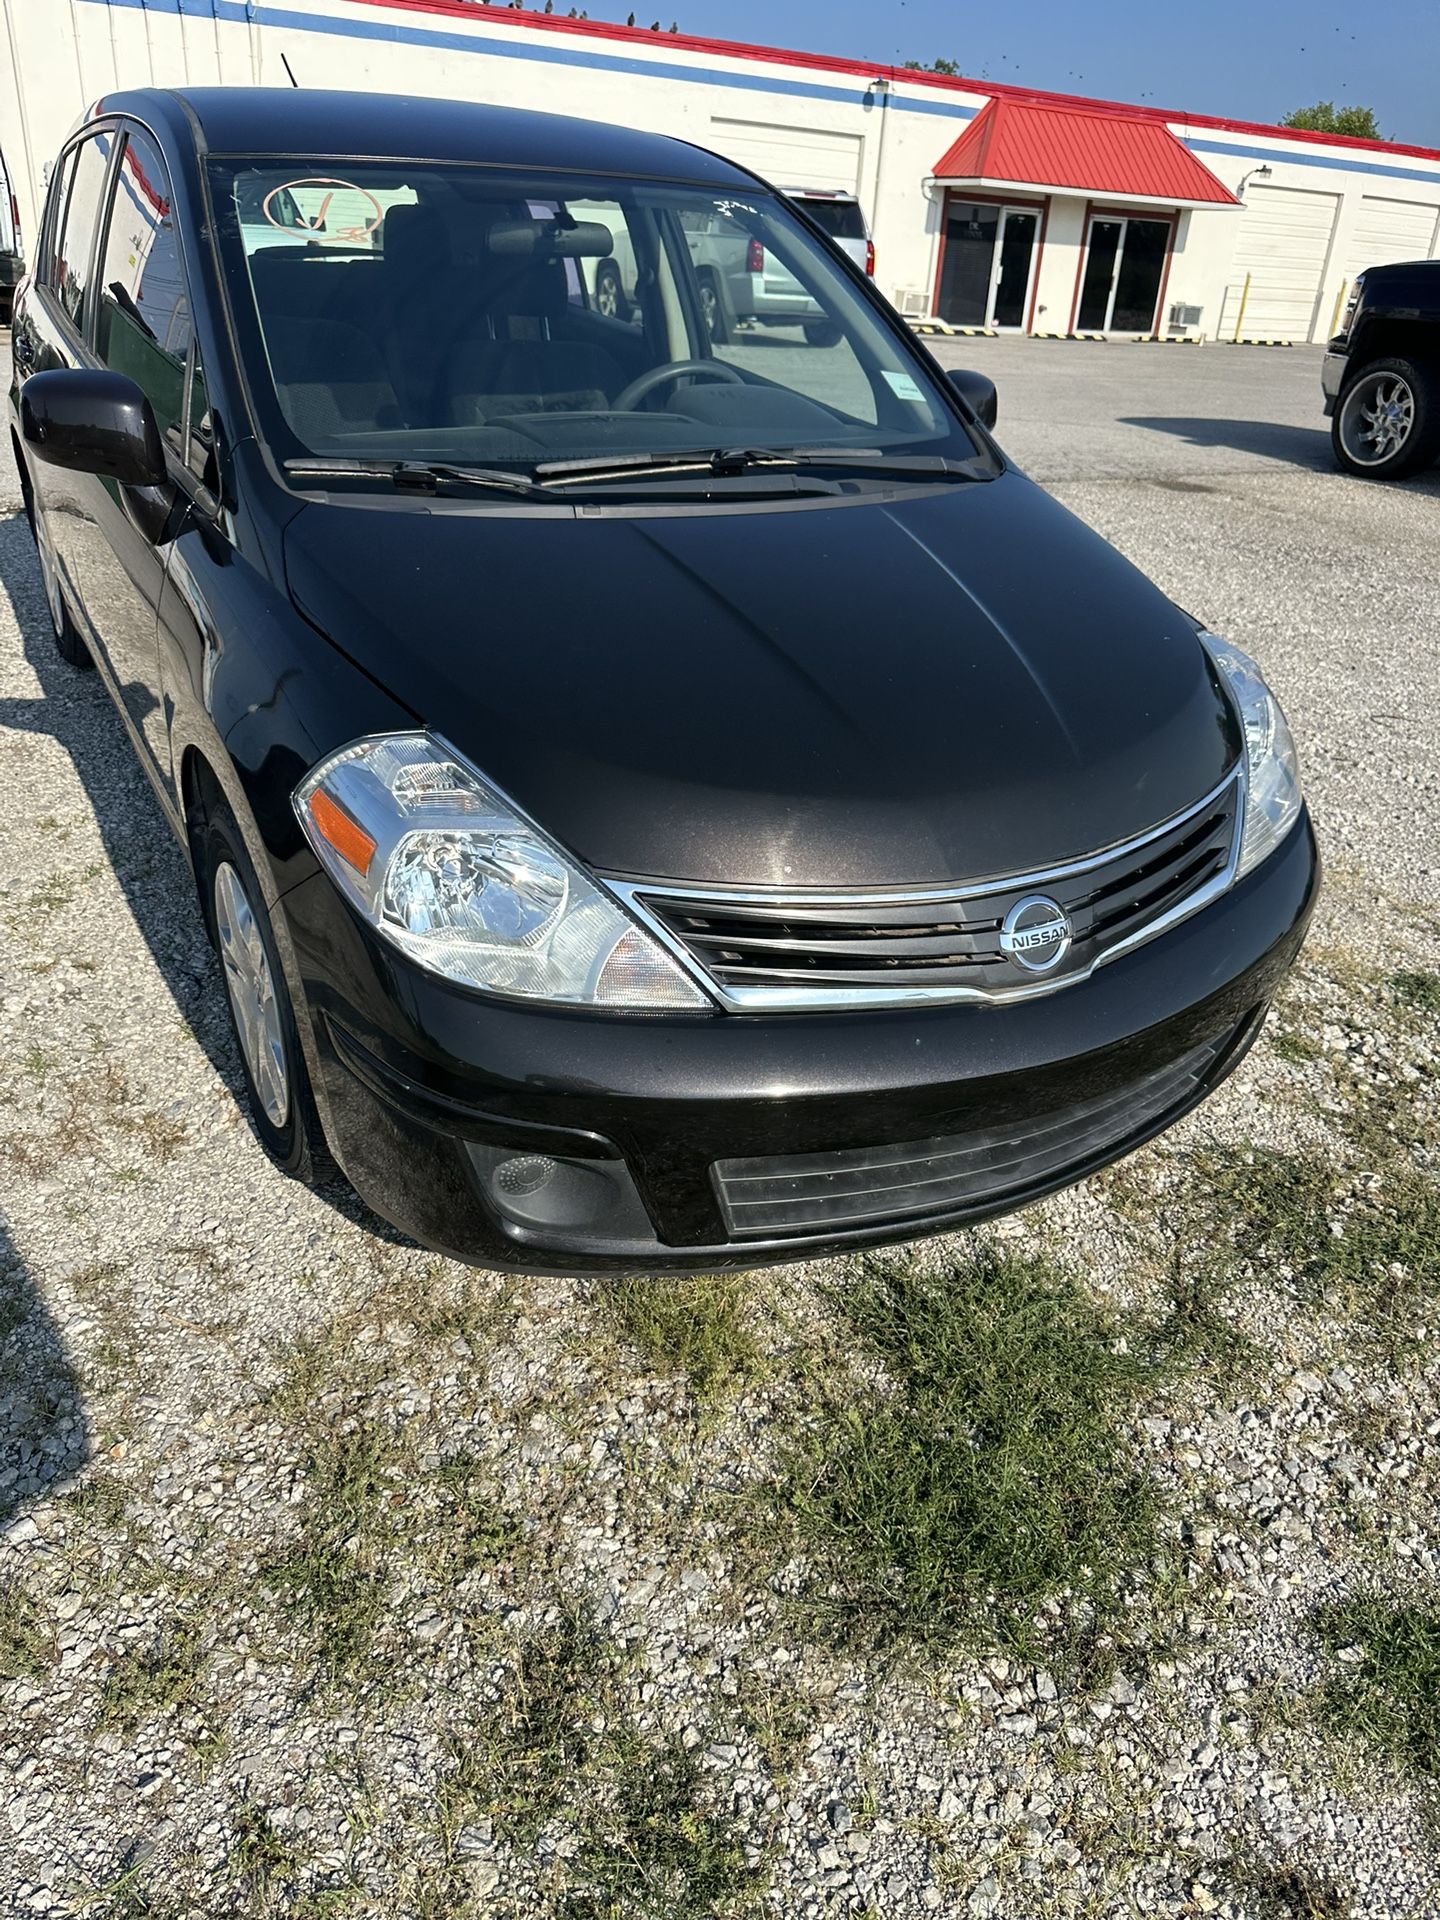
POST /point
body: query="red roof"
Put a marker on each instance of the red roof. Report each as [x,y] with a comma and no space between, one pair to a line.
[1117,154]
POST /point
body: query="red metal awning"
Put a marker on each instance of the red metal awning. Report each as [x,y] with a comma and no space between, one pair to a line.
[1065,149]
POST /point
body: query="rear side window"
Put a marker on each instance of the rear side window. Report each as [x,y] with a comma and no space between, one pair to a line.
[143,327]
[841,219]
[77,225]
[49,274]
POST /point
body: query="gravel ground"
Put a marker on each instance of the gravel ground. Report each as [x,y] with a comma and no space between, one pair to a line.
[336,1579]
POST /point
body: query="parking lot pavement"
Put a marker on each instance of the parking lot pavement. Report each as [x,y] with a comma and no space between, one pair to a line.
[337,1578]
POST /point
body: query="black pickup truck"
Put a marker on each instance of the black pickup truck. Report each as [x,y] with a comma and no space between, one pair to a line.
[1381,373]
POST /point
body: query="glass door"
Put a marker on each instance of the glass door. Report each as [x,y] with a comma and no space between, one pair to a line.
[1014,259]
[969,270]
[1124,266]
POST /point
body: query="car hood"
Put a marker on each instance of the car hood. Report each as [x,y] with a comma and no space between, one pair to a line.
[938,685]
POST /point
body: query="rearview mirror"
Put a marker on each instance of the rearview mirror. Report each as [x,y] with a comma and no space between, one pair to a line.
[977,390]
[95,422]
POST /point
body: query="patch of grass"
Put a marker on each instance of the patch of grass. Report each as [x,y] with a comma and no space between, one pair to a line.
[1390,1696]
[1368,1246]
[25,1645]
[525,1763]
[154,1676]
[1418,989]
[990,1472]
[1264,1891]
[1294,1044]
[258,1854]
[658,1852]
[693,1326]
[337,1575]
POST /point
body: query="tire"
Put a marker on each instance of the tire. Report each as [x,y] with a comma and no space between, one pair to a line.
[69,642]
[822,333]
[609,293]
[1386,424]
[278,1093]
[712,312]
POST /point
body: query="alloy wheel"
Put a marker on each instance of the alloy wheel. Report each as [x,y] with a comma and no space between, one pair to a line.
[709,308]
[1377,417]
[251,987]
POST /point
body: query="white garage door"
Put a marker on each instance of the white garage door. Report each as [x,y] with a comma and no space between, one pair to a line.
[1282,244]
[1388,230]
[792,156]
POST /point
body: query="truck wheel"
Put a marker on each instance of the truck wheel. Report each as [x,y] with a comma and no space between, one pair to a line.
[609,294]
[1387,424]
[711,311]
[822,333]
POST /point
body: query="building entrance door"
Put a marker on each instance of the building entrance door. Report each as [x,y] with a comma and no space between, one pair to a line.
[989,261]
[1124,265]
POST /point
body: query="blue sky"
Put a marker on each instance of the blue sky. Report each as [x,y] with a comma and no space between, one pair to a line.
[1235,58]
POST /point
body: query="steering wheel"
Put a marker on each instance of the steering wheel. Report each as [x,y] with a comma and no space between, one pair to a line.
[630,397]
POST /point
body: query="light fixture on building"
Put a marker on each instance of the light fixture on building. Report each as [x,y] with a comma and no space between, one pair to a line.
[1255,173]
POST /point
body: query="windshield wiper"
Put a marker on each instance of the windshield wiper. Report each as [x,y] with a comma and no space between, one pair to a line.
[418,476]
[721,461]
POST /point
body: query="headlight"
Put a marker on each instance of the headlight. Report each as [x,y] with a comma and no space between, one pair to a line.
[453,875]
[1272,773]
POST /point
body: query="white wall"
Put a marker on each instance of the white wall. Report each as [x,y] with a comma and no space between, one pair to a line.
[57,56]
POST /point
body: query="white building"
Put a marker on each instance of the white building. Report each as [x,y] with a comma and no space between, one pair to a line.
[990,206]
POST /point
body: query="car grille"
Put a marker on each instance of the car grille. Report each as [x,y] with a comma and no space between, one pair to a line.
[779,1194]
[815,951]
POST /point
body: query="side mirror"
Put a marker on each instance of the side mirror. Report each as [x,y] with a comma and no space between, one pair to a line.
[977,390]
[93,422]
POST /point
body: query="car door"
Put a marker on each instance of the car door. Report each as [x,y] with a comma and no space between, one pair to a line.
[138,323]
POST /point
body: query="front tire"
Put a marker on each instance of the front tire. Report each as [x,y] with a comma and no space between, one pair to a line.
[822,333]
[69,642]
[1387,423]
[277,1082]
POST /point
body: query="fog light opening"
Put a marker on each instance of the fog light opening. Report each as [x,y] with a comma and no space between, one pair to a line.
[586,1201]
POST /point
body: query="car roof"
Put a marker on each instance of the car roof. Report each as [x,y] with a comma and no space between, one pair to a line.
[385,126]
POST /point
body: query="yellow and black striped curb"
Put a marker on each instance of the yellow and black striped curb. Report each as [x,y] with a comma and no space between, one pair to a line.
[1067,336]
[1168,340]
[943,326]
[1246,341]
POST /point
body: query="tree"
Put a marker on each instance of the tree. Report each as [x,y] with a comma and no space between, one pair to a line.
[949,67]
[1356,123]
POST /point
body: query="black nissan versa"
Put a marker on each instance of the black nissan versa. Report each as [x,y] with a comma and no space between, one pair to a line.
[660,801]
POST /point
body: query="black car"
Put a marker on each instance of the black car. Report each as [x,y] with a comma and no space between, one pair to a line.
[658,802]
[1381,373]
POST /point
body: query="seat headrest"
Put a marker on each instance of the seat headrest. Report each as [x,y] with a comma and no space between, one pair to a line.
[416,240]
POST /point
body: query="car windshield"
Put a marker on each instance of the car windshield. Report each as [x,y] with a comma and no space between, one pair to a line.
[414,312]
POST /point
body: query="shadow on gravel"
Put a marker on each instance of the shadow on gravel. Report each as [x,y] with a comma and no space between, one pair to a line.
[1297,446]
[76,710]
[44,1435]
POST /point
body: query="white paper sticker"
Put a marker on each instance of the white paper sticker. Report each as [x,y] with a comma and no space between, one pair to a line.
[902,385]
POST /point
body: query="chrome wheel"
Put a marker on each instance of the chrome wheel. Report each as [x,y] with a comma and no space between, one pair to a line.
[710,308]
[607,293]
[251,987]
[1377,417]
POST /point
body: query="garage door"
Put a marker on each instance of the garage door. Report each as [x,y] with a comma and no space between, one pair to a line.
[792,156]
[1388,230]
[1282,244]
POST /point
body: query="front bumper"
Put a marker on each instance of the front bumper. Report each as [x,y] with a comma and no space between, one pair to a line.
[420,1082]
[1332,378]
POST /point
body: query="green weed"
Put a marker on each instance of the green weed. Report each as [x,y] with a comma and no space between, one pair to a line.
[1391,1695]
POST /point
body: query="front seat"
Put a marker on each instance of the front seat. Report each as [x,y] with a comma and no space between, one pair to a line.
[529,366]
[330,379]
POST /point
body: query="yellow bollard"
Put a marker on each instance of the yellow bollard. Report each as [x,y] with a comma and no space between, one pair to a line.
[1240,317]
[1339,303]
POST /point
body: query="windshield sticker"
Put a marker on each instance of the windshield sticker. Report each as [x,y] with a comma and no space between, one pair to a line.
[902,385]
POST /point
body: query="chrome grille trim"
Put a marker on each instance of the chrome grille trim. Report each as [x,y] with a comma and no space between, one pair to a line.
[832,994]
